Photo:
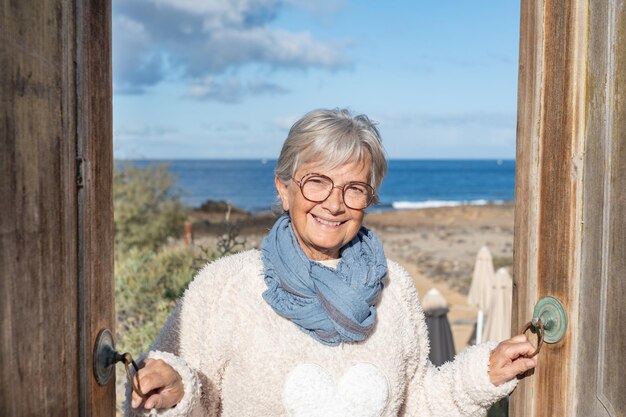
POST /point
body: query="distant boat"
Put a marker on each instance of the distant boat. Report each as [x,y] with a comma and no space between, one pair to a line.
[499,162]
[264,161]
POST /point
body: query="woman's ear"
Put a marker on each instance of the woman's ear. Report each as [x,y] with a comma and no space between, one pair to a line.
[283,193]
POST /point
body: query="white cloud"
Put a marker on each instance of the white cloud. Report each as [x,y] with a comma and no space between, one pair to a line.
[230,89]
[140,131]
[220,13]
[192,40]
[318,7]
[492,120]
[284,123]
[448,135]
[227,126]
[136,64]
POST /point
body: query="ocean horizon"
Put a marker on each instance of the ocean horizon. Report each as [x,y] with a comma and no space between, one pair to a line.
[409,184]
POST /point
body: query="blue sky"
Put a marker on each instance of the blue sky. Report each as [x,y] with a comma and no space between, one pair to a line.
[227,78]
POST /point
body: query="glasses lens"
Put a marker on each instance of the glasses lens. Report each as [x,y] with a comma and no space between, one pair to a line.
[357,195]
[317,188]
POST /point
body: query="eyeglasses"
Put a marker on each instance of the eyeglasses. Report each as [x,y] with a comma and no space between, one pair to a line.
[317,188]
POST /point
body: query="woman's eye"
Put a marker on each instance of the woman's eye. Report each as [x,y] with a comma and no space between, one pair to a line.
[356,188]
[317,181]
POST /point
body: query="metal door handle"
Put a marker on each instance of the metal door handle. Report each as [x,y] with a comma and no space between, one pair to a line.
[105,357]
[536,328]
[549,322]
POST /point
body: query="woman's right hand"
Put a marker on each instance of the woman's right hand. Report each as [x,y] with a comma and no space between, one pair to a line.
[161,382]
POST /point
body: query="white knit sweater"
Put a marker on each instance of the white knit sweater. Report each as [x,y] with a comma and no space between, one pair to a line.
[237,357]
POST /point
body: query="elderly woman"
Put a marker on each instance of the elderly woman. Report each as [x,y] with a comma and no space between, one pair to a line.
[319,322]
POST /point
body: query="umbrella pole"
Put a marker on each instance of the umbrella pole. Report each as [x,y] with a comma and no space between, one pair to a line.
[479,327]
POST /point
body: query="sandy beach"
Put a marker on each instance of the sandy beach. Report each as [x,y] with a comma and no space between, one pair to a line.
[437,246]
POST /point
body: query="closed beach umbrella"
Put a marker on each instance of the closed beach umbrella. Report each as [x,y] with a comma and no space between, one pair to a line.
[498,322]
[482,277]
[479,293]
[439,333]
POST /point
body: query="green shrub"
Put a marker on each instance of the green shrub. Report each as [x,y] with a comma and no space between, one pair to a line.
[147,207]
[147,286]
[149,276]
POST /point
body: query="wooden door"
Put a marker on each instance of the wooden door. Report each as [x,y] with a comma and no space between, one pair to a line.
[570,220]
[56,215]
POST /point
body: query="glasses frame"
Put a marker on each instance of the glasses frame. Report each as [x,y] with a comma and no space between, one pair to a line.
[333,186]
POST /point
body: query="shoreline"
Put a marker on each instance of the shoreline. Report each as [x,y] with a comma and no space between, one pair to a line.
[216,212]
[376,208]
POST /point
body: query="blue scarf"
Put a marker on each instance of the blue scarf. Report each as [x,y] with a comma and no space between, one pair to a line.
[331,305]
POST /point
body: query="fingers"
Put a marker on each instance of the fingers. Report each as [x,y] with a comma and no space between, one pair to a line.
[522,365]
[517,349]
[161,382]
[509,359]
[147,380]
[154,401]
[519,338]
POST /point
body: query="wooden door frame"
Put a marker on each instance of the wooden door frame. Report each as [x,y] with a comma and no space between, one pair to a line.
[569,118]
[95,166]
[548,191]
[56,221]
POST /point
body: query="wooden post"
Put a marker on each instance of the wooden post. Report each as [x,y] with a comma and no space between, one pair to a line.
[188,234]
[56,224]
[569,204]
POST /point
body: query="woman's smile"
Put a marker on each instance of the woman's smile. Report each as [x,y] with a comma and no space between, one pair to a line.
[328,223]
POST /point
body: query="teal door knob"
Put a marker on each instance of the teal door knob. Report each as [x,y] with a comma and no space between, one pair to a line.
[553,317]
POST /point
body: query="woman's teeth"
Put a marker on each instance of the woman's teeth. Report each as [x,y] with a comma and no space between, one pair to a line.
[328,223]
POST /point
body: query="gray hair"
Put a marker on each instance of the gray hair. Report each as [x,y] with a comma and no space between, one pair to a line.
[336,137]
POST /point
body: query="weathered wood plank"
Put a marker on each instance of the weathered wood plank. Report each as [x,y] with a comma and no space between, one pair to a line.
[558,194]
[593,226]
[95,147]
[56,243]
[39,358]
[529,94]
[614,332]
[547,189]
[601,389]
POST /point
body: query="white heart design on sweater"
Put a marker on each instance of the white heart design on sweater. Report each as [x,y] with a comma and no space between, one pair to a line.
[310,391]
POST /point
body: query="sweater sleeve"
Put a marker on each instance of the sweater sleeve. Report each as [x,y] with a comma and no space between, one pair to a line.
[167,348]
[458,388]
[190,343]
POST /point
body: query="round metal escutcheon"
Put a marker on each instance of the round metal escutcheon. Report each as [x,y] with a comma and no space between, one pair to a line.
[554,318]
[104,357]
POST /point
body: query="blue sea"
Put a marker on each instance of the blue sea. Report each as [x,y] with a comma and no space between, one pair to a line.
[409,184]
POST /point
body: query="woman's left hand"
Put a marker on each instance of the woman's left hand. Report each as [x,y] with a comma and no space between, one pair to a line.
[509,359]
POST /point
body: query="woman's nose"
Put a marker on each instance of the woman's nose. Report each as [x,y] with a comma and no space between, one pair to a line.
[334,202]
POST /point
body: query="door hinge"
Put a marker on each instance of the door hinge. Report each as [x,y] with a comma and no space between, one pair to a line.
[80,172]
